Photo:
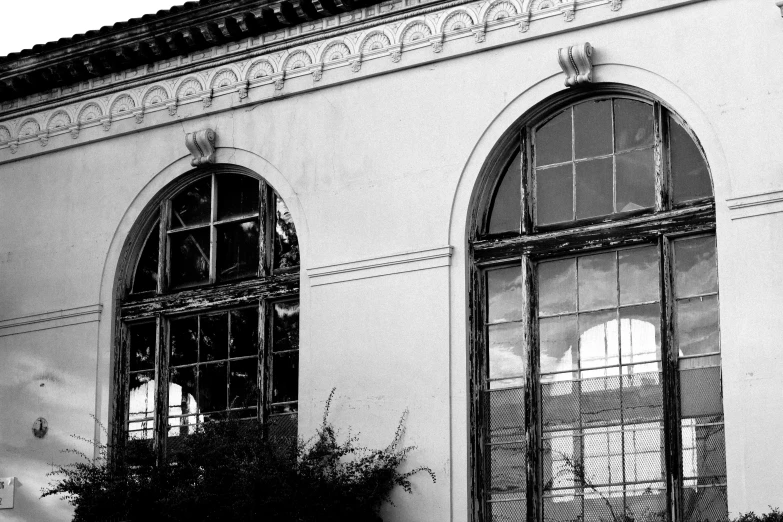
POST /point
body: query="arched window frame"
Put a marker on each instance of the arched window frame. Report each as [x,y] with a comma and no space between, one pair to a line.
[531,244]
[275,284]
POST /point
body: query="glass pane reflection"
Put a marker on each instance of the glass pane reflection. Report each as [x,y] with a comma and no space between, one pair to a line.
[690,176]
[193,205]
[553,140]
[557,287]
[635,180]
[594,188]
[506,210]
[506,353]
[695,268]
[592,129]
[597,281]
[554,195]
[286,242]
[633,124]
[504,294]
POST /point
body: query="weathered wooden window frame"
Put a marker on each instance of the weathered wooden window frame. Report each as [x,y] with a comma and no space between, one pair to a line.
[269,287]
[525,249]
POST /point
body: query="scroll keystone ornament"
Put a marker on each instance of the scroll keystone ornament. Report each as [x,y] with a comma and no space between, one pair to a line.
[201,145]
[576,63]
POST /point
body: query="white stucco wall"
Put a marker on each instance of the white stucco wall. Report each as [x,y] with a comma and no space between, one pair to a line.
[379,174]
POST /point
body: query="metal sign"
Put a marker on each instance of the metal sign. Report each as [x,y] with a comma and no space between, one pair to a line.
[7,493]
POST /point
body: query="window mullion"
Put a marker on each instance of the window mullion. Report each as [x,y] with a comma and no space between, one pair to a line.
[264,384]
[213,233]
[163,247]
[161,392]
[671,385]
[661,160]
[121,419]
[264,236]
[525,182]
[532,391]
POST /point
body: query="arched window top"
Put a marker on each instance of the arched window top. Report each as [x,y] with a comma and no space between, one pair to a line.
[220,227]
[599,159]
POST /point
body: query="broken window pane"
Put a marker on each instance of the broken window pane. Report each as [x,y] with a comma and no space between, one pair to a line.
[146,277]
[237,250]
[553,140]
[182,400]
[504,294]
[557,287]
[141,408]
[690,176]
[554,194]
[594,188]
[237,195]
[597,281]
[633,124]
[506,211]
[193,205]
[189,257]
[592,129]
[286,242]
[635,180]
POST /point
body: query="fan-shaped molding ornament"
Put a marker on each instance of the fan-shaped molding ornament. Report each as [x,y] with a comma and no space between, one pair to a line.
[59,121]
[500,11]
[542,5]
[260,69]
[189,87]
[374,42]
[335,51]
[29,129]
[5,134]
[223,79]
[457,21]
[415,32]
[124,104]
[155,96]
[90,112]
[297,60]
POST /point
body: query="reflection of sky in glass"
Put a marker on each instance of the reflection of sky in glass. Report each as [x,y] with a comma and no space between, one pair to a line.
[697,326]
[557,287]
[504,290]
[506,352]
[695,270]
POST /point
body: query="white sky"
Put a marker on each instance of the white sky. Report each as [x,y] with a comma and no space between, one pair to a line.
[24,24]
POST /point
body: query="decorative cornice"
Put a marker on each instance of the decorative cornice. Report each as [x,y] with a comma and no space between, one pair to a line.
[380,266]
[756,204]
[264,74]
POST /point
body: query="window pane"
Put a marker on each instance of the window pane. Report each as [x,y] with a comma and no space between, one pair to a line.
[598,341]
[697,325]
[703,450]
[243,387]
[190,257]
[182,400]
[286,242]
[285,324]
[237,195]
[597,281]
[560,404]
[690,176]
[601,404]
[244,332]
[506,211]
[504,293]
[237,250]
[141,408]
[506,414]
[213,387]
[700,392]
[706,503]
[553,140]
[214,337]
[193,205]
[558,344]
[554,195]
[184,341]
[635,180]
[593,129]
[508,471]
[594,188]
[640,334]
[633,124]
[642,396]
[695,268]
[146,277]
[142,346]
[507,357]
[285,376]
[639,280]
[557,287]
[507,511]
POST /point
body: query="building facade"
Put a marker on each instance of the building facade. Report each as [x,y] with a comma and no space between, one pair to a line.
[547,229]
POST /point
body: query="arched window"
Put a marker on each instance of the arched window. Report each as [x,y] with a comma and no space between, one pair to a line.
[596,373]
[209,311]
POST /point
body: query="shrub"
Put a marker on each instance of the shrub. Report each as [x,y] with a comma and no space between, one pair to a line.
[231,470]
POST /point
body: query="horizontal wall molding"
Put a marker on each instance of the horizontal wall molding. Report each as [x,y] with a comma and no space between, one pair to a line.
[49,320]
[432,33]
[380,266]
[756,204]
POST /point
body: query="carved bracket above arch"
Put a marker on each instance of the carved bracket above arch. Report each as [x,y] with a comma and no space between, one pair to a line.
[576,63]
[201,145]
